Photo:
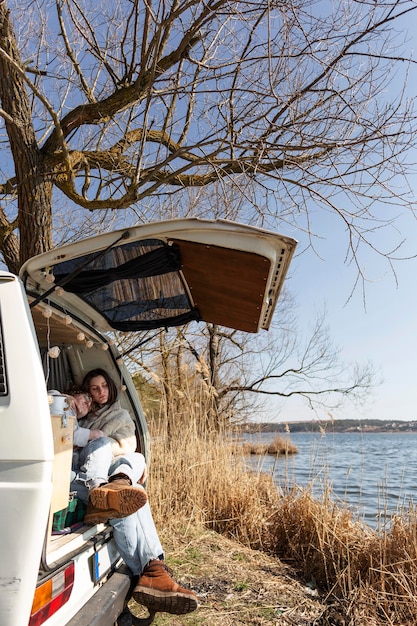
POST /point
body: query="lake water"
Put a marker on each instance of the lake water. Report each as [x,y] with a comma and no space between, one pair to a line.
[373,474]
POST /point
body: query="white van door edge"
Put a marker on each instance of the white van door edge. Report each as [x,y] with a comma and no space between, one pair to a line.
[26,455]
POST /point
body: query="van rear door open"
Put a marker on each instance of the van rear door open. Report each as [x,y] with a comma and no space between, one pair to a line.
[167,274]
[72,299]
[26,455]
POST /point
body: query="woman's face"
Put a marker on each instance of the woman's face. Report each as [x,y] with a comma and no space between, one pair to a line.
[99,390]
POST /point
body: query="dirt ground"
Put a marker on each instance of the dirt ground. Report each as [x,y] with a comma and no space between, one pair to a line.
[238,586]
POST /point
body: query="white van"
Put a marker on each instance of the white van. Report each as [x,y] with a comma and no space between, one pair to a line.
[56,323]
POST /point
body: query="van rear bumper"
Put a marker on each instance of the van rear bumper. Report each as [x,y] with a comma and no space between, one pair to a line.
[105,606]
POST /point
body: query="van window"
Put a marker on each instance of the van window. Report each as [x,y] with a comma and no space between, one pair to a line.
[136,286]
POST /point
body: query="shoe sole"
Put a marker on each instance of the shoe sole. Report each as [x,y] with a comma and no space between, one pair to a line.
[123,501]
[99,518]
[175,603]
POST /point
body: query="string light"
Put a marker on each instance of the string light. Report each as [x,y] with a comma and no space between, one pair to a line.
[47,312]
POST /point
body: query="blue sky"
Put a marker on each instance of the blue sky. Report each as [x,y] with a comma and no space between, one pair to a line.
[383,329]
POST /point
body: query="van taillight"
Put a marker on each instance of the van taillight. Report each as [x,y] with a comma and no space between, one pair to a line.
[51,595]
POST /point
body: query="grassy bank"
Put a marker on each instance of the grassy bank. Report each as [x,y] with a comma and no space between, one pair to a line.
[236,586]
[357,576]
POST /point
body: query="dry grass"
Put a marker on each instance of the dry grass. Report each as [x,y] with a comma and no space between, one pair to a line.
[365,576]
[236,586]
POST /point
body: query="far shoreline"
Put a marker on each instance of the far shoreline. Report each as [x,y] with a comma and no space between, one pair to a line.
[363,426]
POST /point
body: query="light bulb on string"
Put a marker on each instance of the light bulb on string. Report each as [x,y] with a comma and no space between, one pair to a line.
[54,352]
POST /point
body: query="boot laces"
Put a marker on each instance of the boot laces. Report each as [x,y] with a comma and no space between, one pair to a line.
[167,569]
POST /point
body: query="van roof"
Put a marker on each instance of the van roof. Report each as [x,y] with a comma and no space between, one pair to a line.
[166,274]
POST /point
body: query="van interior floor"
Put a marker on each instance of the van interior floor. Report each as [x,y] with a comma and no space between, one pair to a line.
[59,545]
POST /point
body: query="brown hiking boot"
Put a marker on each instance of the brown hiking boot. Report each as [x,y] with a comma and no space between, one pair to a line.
[99,516]
[160,593]
[120,496]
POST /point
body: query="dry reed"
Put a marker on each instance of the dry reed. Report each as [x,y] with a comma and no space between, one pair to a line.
[196,479]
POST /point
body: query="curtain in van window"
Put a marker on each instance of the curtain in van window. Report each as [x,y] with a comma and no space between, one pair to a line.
[57,371]
[134,286]
[112,266]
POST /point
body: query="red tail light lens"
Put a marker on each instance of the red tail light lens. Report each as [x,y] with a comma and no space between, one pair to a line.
[51,595]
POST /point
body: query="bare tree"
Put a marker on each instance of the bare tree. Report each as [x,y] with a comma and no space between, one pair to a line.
[115,106]
[230,373]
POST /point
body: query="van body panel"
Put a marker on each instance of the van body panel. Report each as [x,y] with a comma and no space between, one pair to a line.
[84,585]
[23,522]
[28,436]
[108,602]
[26,456]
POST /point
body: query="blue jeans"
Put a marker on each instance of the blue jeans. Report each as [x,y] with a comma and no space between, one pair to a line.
[91,465]
[137,539]
[135,536]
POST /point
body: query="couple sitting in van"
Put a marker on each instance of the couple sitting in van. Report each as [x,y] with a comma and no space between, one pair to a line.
[108,477]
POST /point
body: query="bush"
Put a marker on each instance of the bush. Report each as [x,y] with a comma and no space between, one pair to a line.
[279,445]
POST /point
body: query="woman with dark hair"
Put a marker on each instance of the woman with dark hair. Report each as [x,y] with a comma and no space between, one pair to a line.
[109,382]
[135,535]
[104,465]
[107,415]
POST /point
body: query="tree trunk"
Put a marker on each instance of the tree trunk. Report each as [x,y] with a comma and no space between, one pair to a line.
[167,384]
[215,412]
[34,190]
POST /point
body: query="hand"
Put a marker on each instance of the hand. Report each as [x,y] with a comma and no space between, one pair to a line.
[144,476]
[95,434]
